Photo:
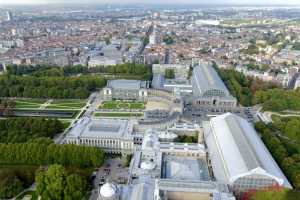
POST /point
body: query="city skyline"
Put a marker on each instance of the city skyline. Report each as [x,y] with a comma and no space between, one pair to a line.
[150,99]
[237,2]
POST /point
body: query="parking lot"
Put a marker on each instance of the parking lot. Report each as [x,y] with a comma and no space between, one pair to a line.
[197,115]
[113,170]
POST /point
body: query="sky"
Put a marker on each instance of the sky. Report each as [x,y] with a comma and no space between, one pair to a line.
[264,2]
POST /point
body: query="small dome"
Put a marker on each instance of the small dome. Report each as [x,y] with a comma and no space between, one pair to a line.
[108,190]
[147,165]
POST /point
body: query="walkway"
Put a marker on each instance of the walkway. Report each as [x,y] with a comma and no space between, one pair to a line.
[269,114]
[47,103]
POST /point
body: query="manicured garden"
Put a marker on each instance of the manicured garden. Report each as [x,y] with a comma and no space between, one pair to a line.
[67,104]
[29,103]
[56,104]
[115,105]
[118,114]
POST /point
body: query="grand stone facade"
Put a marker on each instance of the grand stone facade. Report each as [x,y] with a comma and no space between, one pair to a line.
[113,136]
[125,90]
[180,71]
[162,171]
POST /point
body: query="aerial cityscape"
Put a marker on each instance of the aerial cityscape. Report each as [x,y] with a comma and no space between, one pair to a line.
[149,100]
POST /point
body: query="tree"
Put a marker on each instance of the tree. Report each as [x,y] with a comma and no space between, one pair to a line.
[168,39]
[24,129]
[169,73]
[10,185]
[41,152]
[280,153]
[75,187]
[292,129]
[297,181]
[50,184]
[55,184]
[49,86]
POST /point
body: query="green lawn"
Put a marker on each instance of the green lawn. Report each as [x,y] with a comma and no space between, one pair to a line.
[29,103]
[110,105]
[119,114]
[122,105]
[37,101]
[137,106]
[64,106]
[66,101]
[67,104]
[23,106]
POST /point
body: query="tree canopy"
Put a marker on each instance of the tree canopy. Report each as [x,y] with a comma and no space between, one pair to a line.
[139,71]
[169,73]
[285,151]
[49,87]
[15,130]
[242,87]
[278,99]
[56,184]
[273,194]
[44,152]
[15,179]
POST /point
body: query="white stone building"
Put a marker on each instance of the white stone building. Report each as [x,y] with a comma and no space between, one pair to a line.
[181,71]
[162,171]
[126,90]
[112,135]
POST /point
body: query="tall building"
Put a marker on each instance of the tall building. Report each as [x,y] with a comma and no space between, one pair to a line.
[8,16]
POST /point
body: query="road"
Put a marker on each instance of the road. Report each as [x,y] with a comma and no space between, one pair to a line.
[94,102]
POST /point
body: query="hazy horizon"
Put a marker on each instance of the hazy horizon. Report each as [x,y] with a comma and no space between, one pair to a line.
[199,2]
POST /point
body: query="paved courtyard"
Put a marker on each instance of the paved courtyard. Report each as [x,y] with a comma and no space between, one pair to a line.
[113,170]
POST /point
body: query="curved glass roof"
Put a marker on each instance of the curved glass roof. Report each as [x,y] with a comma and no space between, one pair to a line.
[205,78]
